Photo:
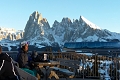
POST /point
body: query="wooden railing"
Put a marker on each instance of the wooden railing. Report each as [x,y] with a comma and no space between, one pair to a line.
[91,66]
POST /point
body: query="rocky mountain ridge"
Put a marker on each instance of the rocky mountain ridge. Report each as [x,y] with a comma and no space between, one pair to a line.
[10,34]
[38,31]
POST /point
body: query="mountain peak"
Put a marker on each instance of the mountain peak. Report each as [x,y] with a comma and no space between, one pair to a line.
[36,16]
[66,19]
[92,25]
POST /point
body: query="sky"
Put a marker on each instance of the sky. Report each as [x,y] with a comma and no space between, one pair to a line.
[103,13]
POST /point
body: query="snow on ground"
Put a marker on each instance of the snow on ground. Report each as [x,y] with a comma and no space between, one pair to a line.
[8,44]
[103,67]
[106,66]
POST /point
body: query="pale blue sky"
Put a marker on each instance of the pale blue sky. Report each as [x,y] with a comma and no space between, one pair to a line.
[104,13]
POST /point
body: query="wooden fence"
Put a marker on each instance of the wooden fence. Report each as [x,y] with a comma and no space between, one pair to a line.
[91,65]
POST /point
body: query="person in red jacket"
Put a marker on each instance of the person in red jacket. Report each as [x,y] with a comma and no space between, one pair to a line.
[7,69]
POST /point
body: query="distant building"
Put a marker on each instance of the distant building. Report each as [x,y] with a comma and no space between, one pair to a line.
[73,46]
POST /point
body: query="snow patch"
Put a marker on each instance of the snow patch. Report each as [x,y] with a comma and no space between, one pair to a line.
[90,23]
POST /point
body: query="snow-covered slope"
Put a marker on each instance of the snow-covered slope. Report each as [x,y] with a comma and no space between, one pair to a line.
[89,23]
